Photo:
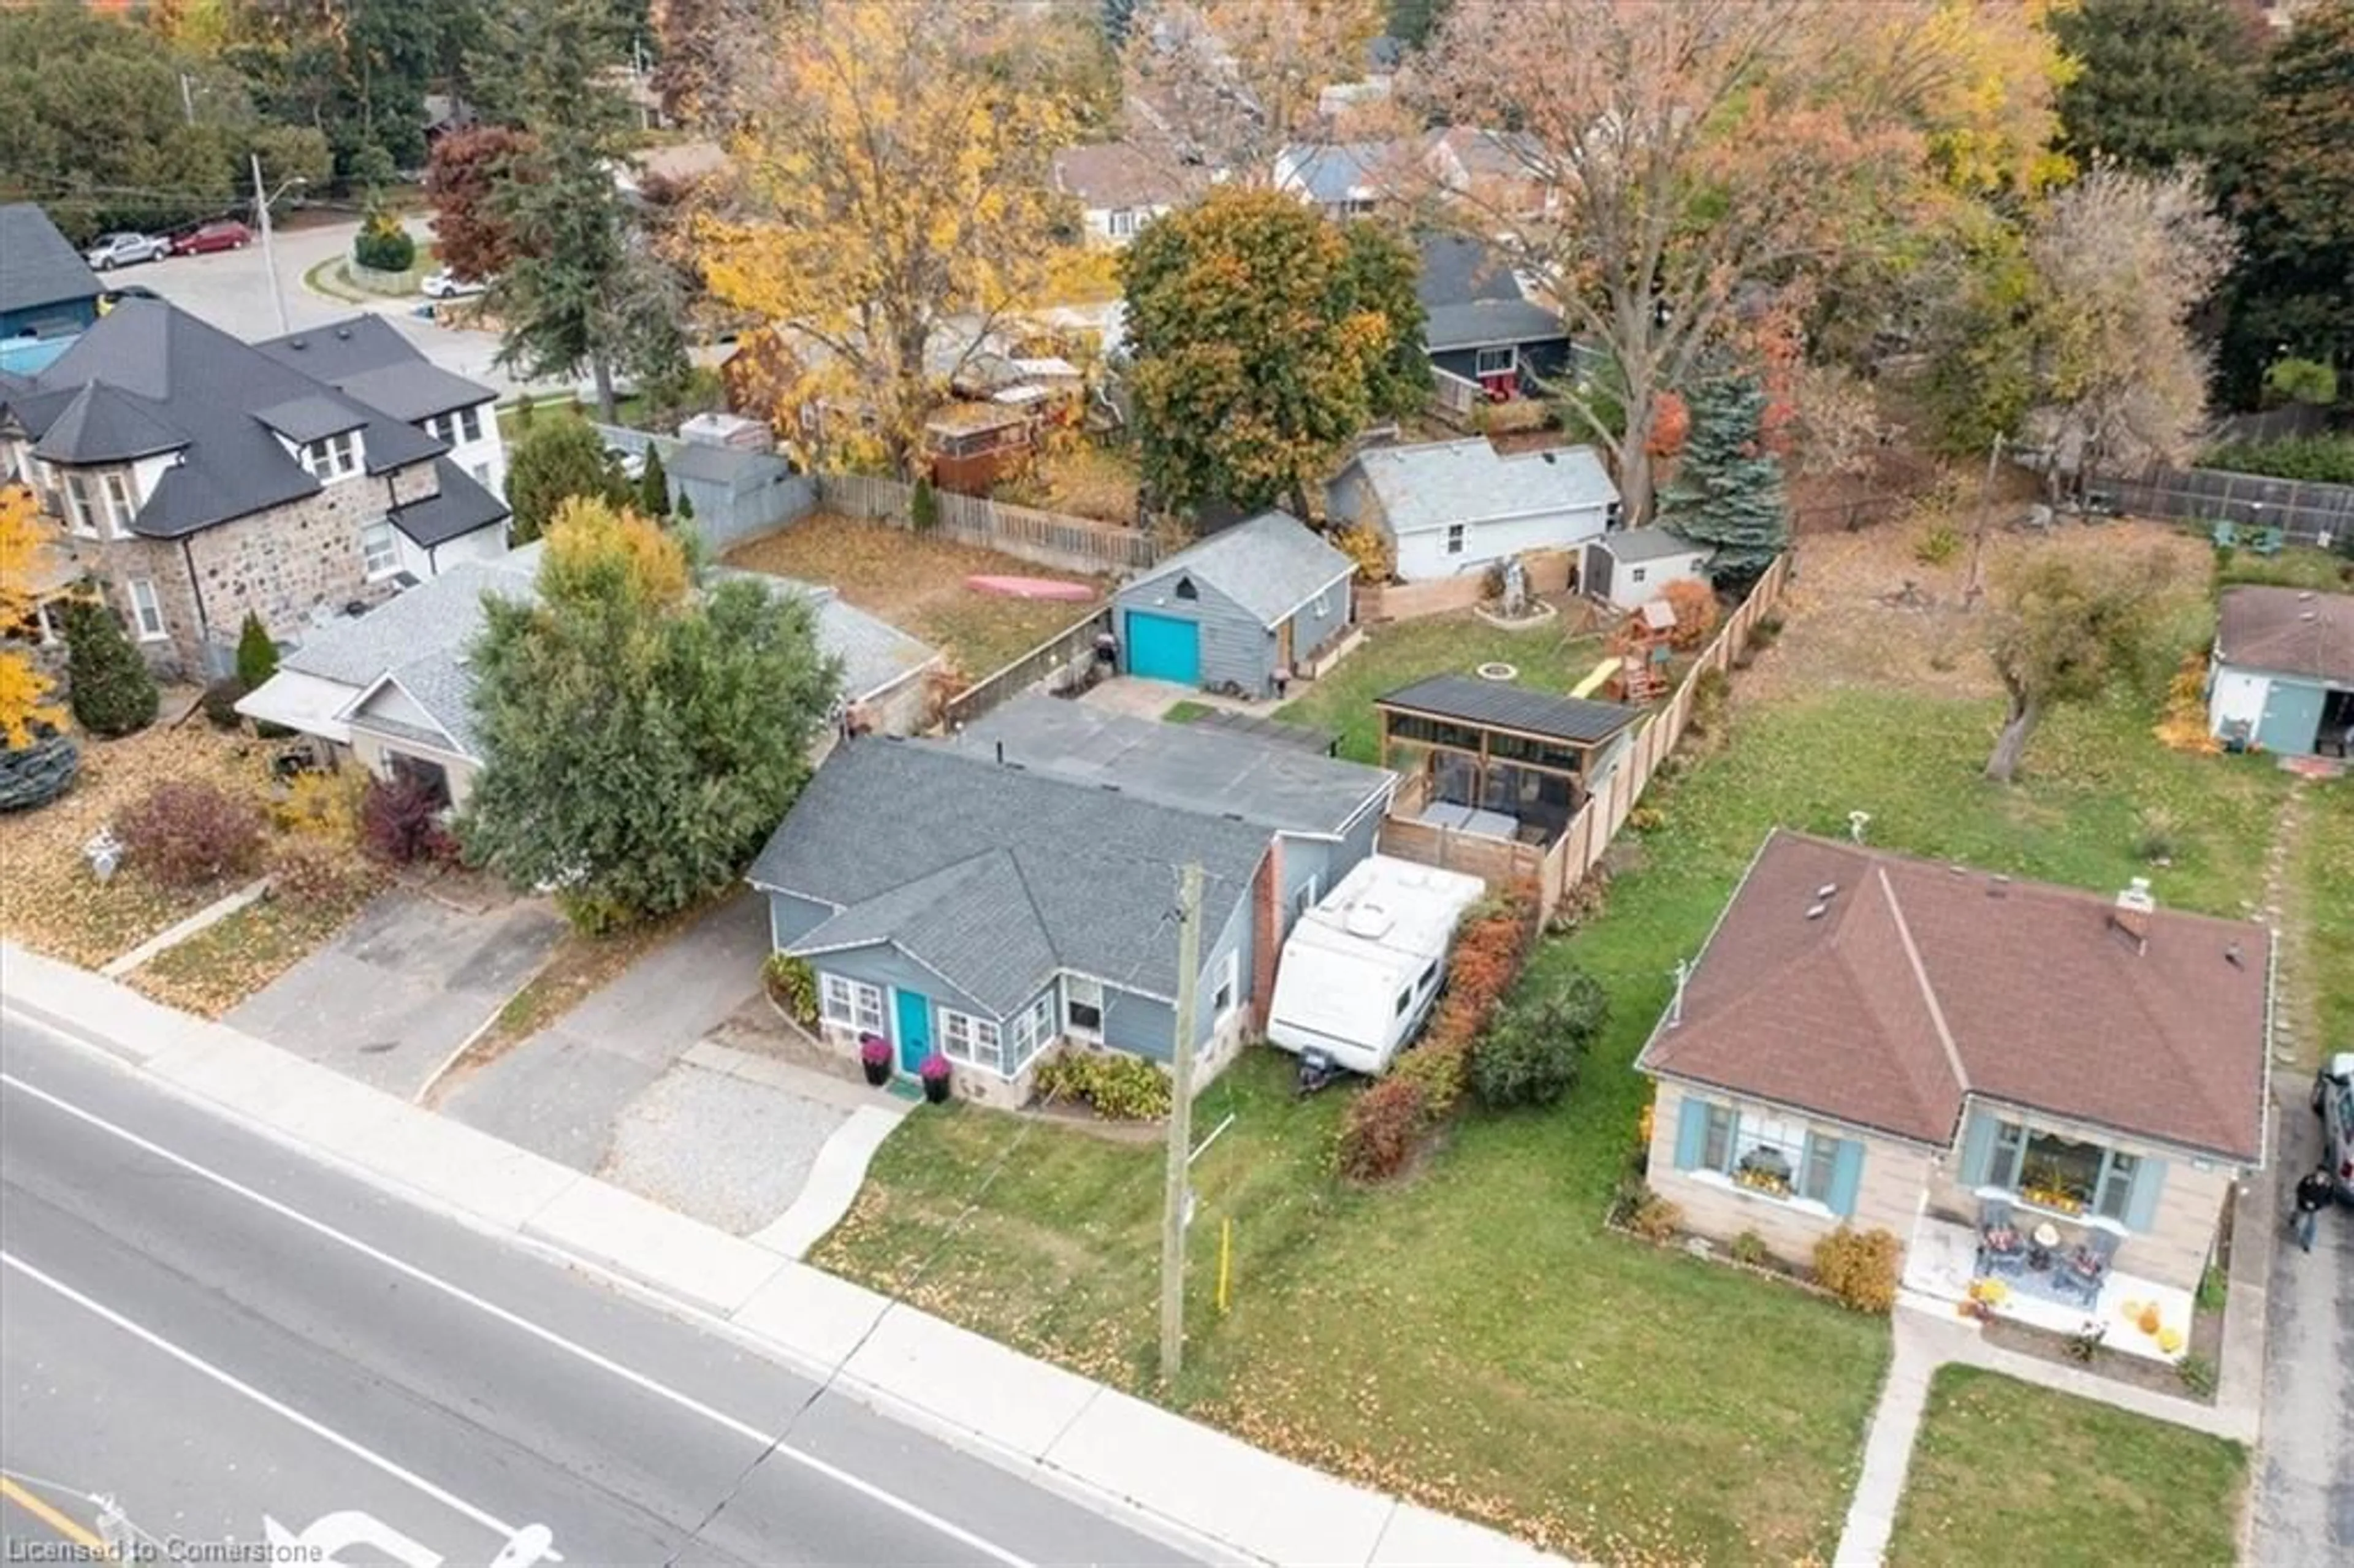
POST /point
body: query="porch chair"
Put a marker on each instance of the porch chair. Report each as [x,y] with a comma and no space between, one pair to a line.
[2086,1268]
[2268,541]
[2001,1248]
[2226,536]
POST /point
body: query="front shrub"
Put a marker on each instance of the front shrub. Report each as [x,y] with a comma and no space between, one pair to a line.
[1121,1087]
[257,655]
[793,985]
[1383,1126]
[189,834]
[401,822]
[323,806]
[923,507]
[384,246]
[1938,545]
[112,691]
[1858,1267]
[1536,1045]
[1645,1212]
[1368,547]
[219,703]
[1749,1248]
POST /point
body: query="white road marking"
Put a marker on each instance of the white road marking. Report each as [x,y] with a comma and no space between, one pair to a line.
[235,1384]
[603,1363]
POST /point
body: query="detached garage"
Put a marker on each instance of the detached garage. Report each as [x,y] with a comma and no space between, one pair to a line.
[1237,610]
[2283,676]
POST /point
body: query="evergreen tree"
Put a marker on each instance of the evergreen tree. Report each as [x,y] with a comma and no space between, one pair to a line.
[114,693]
[1119,19]
[2163,82]
[257,655]
[653,488]
[1727,491]
[557,461]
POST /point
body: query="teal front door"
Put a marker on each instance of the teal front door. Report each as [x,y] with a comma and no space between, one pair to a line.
[2292,717]
[915,1029]
[1163,648]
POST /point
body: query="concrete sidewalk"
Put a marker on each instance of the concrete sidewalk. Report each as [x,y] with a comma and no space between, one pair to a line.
[1132,1460]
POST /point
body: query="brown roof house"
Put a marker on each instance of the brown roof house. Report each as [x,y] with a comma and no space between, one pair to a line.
[2283,671]
[1964,1059]
[1120,186]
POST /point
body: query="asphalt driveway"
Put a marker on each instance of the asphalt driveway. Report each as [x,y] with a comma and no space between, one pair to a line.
[561,1091]
[2304,1501]
[405,985]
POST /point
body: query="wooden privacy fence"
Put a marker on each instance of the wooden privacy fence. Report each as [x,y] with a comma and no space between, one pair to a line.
[1045,538]
[1058,653]
[1576,853]
[1550,571]
[1500,863]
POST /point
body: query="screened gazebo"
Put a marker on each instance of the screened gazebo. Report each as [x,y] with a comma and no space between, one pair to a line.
[1495,759]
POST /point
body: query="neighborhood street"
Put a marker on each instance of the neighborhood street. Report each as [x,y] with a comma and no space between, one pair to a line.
[235,1343]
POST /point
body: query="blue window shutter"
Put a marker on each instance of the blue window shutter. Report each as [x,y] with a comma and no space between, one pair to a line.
[1691,1125]
[2141,1209]
[1847,1175]
[1978,1149]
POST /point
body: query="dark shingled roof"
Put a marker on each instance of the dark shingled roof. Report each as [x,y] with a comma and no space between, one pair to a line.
[1921,983]
[460,507]
[2290,631]
[37,266]
[101,425]
[367,358]
[1471,299]
[314,415]
[996,877]
[212,391]
[1500,705]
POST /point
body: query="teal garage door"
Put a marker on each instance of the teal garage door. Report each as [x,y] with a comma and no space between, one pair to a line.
[1162,648]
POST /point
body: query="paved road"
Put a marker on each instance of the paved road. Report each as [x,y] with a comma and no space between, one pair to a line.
[232,1340]
[230,288]
[2304,1484]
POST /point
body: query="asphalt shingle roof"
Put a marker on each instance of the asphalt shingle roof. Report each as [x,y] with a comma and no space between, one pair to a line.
[1500,705]
[37,265]
[1336,171]
[2290,631]
[192,378]
[1106,174]
[1096,869]
[458,508]
[312,417]
[366,357]
[102,425]
[1188,767]
[1922,983]
[1632,544]
[1469,481]
[1271,565]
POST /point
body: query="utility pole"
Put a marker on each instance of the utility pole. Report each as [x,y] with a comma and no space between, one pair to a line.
[187,98]
[269,253]
[1978,535]
[1180,1126]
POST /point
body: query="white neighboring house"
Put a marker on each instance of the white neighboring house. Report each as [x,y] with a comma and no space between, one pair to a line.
[1361,970]
[366,358]
[391,688]
[1631,567]
[1120,188]
[1451,507]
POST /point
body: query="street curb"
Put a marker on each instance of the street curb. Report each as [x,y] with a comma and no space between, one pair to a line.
[601,1230]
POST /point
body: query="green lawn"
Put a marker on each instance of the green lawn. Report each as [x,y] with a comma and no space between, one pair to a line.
[1403,651]
[2006,1472]
[1471,1336]
[1185,710]
[2328,850]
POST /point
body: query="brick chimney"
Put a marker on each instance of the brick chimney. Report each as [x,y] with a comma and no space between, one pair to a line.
[1266,931]
[2131,913]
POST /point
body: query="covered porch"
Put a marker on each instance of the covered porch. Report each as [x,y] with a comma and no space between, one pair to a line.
[1492,759]
[1947,1264]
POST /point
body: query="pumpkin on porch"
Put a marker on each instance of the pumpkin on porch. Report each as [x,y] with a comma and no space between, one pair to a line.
[2150,1322]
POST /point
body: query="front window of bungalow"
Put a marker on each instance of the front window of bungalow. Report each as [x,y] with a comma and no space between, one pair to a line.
[1083,1007]
[854,1004]
[119,508]
[81,498]
[1123,223]
[972,1040]
[1768,1154]
[1229,977]
[2067,1175]
[1496,362]
[1032,1032]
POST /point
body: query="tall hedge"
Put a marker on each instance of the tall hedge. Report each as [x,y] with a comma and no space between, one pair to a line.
[112,692]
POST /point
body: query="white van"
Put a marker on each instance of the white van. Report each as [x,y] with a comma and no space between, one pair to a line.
[1361,969]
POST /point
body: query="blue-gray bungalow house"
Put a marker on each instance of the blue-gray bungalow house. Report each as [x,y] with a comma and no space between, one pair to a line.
[993,905]
[1238,609]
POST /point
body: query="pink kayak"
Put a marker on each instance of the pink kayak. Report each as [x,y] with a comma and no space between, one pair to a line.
[1032,587]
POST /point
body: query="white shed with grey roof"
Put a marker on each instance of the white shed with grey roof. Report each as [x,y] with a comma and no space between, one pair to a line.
[1236,611]
[1633,567]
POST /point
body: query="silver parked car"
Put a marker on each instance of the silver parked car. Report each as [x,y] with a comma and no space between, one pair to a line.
[125,249]
[2333,1102]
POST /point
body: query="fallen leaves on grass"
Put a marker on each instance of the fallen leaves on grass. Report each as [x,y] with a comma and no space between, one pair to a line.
[234,956]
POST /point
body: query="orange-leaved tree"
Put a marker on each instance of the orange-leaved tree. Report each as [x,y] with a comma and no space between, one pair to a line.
[24,689]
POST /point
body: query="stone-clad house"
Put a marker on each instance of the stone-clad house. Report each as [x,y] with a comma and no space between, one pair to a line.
[197,478]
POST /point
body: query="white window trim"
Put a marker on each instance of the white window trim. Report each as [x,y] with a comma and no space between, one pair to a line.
[1072,985]
[1121,223]
[1456,537]
[369,566]
[122,500]
[1481,369]
[1032,1032]
[981,1044]
[1229,979]
[1719,1180]
[147,612]
[850,1002]
[81,506]
[331,458]
[1324,604]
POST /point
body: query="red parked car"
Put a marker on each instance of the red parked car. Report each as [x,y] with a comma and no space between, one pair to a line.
[226,235]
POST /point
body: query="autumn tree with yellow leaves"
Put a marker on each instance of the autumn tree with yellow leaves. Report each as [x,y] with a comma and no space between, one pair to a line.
[25,709]
[896,208]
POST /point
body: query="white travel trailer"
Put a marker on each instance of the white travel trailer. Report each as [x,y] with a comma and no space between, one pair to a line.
[1361,969]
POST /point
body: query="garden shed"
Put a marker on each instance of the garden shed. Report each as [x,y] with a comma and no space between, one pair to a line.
[1633,567]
